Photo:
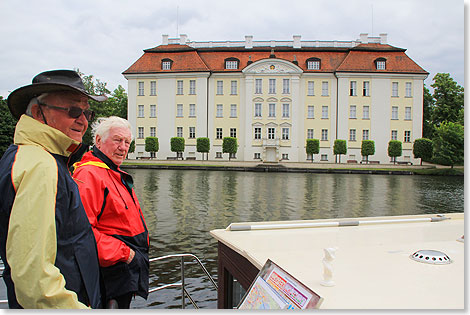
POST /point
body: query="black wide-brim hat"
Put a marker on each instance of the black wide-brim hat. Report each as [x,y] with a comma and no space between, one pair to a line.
[47,82]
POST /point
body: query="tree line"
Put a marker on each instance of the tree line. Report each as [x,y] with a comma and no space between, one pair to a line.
[442,141]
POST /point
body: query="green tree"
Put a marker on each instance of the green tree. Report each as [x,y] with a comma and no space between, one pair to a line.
[340,147]
[203,145]
[367,148]
[151,145]
[177,145]
[428,106]
[230,146]
[132,147]
[449,99]
[449,144]
[394,149]
[7,126]
[312,147]
[422,149]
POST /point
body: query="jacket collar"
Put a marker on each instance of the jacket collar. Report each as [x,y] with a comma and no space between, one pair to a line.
[29,131]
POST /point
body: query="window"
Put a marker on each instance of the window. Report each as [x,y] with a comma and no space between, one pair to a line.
[324,88]
[324,112]
[407,113]
[257,133]
[365,112]
[408,89]
[311,88]
[394,112]
[352,88]
[313,64]
[257,109]
[394,135]
[166,64]
[324,157]
[365,88]
[153,88]
[179,87]
[271,133]
[140,132]
[141,88]
[233,110]
[218,133]
[231,63]
[153,111]
[285,86]
[285,156]
[192,110]
[352,134]
[324,134]
[233,88]
[272,86]
[285,110]
[153,131]
[220,111]
[179,131]
[179,110]
[365,134]
[352,112]
[141,111]
[272,110]
[310,112]
[258,86]
[220,87]
[192,87]
[380,63]
[309,133]
[394,89]
[218,155]
[407,136]
[233,132]
[257,156]
[192,132]
[285,133]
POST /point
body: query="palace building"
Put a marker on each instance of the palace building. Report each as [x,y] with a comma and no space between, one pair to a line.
[274,95]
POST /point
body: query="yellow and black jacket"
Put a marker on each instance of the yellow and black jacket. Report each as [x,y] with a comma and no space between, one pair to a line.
[46,241]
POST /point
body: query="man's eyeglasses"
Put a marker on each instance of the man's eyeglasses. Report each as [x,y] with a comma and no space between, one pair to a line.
[73,111]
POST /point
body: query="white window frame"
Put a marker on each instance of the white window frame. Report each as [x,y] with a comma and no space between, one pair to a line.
[408,89]
[192,133]
[394,89]
[366,88]
[366,112]
[313,65]
[258,86]
[166,65]
[257,133]
[324,88]
[394,112]
[324,135]
[153,111]
[407,136]
[310,133]
[192,87]
[233,132]
[257,156]
[285,156]
[179,110]
[231,64]
[272,86]
[324,112]
[394,135]
[141,88]
[285,86]
[153,131]
[192,110]
[380,65]
[218,133]
[219,111]
[271,133]
[352,88]
[233,110]
[153,88]
[285,110]
[365,134]
[285,133]
[179,87]
[220,87]
[352,134]
[310,112]
[272,110]
[311,88]
[407,113]
[140,132]
[179,132]
[258,109]
[141,112]
[233,88]
[352,112]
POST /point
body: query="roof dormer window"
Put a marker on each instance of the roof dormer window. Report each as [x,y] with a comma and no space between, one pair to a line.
[313,64]
[380,63]
[231,63]
[166,64]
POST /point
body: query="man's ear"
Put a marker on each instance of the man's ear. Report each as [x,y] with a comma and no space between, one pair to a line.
[36,111]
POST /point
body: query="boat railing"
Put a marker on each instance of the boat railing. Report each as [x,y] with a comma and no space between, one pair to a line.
[181,284]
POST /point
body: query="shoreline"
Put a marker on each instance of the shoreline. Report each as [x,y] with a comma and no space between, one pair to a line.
[296,167]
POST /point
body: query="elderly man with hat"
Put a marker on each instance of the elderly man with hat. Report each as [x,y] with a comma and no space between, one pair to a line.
[46,241]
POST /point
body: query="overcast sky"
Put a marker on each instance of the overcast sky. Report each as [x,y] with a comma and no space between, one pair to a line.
[105,37]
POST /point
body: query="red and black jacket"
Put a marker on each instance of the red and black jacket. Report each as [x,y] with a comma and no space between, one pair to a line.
[117,221]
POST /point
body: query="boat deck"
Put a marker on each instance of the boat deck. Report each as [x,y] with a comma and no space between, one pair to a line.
[372,268]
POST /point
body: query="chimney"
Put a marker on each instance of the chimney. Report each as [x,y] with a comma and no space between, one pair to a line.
[364,38]
[183,38]
[248,41]
[297,43]
[383,38]
[164,39]
[272,55]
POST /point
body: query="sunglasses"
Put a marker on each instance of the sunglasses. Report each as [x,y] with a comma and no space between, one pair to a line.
[73,111]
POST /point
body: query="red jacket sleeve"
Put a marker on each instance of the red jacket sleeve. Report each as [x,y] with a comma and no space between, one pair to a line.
[92,192]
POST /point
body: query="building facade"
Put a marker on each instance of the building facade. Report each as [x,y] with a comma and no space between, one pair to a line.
[273,96]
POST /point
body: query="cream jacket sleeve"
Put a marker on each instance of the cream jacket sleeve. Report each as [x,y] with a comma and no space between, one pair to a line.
[31,245]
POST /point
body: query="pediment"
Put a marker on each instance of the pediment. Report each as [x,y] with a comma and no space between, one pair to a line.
[272,66]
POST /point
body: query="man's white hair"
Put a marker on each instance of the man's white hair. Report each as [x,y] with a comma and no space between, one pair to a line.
[102,126]
[33,101]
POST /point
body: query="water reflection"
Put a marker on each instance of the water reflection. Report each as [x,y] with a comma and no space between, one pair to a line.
[181,207]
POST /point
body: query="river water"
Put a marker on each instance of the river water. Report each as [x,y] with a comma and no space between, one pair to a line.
[181,207]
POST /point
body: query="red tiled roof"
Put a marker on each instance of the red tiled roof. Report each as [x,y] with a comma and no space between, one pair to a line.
[358,59]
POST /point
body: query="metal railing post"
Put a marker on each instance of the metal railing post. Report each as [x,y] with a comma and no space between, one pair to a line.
[182,283]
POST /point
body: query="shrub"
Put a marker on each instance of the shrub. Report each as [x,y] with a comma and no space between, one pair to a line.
[367,148]
[151,144]
[422,149]
[312,147]
[203,145]
[230,146]
[394,149]
[340,147]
